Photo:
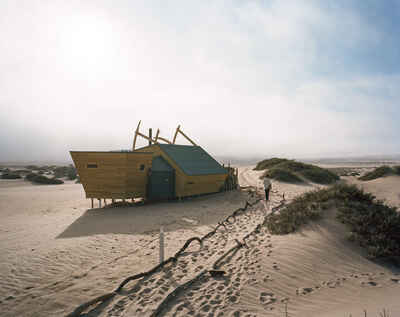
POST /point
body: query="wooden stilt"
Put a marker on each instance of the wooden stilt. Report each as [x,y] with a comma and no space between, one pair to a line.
[99,203]
[92,202]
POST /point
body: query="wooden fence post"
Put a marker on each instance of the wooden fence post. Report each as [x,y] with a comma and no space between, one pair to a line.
[161,244]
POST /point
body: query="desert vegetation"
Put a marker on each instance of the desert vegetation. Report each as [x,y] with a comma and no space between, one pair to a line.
[10,175]
[41,179]
[344,171]
[381,171]
[295,172]
[371,223]
[65,171]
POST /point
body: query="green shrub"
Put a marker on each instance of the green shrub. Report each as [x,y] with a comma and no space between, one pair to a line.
[10,175]
[396,169]
[71,172]
[319,175]
[377,173]
[40,179]
[30,176]
[60,171]
[283,175]
[268,163]
[372,224]
[293,172]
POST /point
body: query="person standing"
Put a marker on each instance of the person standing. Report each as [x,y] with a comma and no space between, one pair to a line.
[267,187]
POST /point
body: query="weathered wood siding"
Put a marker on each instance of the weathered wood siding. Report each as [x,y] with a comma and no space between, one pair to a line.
[117,175]
[186,185]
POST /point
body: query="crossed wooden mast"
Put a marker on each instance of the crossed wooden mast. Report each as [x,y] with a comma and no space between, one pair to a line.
[158,137]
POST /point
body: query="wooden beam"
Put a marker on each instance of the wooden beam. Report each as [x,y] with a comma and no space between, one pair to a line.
[135,137]
[144,136]
[176,134]
[189,139]
[156,138]
[165,140]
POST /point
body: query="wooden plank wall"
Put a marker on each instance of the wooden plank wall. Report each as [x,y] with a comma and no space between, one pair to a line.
[117,175]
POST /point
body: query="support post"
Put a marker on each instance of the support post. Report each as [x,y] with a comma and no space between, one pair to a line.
[161,244]
[99,203]
[135,137]
[150,135]
[157,134]
[92,202]
[187,138]
[176,134]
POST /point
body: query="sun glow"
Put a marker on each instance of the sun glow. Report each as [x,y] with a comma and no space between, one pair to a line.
[88,42]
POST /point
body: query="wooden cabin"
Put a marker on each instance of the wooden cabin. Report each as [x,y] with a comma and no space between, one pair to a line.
[182,170]
[116,175]
[158,171]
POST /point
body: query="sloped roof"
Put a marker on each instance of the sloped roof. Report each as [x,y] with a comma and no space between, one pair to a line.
[193,160]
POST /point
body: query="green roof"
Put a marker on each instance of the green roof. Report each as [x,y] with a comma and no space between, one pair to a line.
[192,160]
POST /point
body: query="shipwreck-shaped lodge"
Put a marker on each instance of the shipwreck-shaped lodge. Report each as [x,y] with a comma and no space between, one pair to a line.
[154,172]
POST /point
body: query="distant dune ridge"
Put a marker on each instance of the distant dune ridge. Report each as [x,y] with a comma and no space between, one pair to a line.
[295,172]
[381,171]
[69,254]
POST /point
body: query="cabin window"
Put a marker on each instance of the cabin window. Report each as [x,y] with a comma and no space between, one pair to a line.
[141,167]
[91,165]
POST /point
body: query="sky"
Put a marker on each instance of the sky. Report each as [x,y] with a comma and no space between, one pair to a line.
[243,78]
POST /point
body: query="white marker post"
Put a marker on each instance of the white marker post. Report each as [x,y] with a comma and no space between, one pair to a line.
[161,244]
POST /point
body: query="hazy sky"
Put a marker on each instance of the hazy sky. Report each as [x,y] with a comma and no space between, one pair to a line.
[243,78]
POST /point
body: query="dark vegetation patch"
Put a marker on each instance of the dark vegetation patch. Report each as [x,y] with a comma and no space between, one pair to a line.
[41,179]
[293,172]
[282,175]
[65,171]
[378,172]
[372,224]
[344,171]
[10,175]
[268,163]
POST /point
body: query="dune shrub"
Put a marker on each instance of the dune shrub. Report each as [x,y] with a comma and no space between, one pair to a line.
[372,224]
[319,175]
[71,172]
[293,172]
[30,176]
[283,175]
[41,179]
[396,169]
[377,173]
[10,175]
[268,163]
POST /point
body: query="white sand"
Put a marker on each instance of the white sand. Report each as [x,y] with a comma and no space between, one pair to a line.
[57,254]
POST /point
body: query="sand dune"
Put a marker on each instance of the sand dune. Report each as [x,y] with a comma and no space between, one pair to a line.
[57,254]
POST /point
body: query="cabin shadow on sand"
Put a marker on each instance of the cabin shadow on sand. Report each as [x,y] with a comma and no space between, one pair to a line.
[144,219]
